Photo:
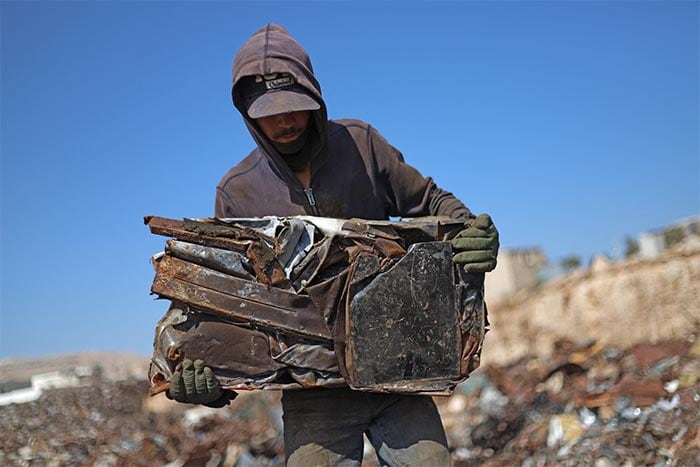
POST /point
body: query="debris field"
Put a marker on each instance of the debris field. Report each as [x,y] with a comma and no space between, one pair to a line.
[585,404]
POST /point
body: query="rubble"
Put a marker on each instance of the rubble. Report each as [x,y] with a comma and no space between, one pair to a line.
[585,404]
[116,424]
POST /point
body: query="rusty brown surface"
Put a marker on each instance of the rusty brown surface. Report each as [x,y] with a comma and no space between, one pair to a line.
[236,299]
[648,354]
[642,391]
[177,229]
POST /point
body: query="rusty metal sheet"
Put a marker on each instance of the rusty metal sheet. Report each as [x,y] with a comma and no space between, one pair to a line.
[473,321]
[178,229]
[408,230]
[261,249]
[236,299]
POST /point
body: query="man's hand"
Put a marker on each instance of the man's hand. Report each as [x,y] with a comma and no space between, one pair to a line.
[476,247]
[195,383]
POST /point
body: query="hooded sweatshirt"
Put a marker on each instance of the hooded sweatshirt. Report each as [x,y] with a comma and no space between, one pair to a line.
[355,172]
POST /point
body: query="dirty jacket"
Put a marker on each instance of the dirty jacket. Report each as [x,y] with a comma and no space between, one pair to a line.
[355,172]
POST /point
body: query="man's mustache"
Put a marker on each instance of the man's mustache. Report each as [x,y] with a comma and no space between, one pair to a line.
[288,132]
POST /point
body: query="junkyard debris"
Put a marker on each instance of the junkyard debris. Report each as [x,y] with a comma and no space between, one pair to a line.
[511,415]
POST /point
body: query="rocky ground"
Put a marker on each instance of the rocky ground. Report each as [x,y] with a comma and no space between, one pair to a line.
[584,405]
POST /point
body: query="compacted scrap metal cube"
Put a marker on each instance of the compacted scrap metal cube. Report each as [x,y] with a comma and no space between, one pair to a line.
[301,302]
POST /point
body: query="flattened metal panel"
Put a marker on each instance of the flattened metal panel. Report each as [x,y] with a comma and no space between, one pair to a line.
[233,298]
[403,324]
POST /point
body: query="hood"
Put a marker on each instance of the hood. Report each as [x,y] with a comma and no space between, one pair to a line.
[271,49]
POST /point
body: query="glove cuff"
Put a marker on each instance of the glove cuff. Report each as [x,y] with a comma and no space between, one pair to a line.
[224,399]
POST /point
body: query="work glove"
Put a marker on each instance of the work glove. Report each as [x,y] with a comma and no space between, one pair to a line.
[476,247]
[195,383]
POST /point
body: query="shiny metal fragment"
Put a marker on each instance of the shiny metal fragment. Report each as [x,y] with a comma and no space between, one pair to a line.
[226,261]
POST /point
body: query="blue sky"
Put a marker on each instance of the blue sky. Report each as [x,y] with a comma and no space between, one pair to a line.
[575,124]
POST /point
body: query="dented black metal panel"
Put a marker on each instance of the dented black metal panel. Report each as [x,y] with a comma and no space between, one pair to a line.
[402,324]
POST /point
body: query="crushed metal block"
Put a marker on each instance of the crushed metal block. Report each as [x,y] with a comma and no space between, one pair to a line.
[287,303]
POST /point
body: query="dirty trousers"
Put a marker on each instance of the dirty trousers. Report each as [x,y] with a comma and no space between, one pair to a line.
[324,427]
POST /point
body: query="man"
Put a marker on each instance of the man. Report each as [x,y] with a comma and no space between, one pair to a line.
[305,164]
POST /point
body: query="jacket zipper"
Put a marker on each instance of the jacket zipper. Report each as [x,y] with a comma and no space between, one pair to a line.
[310,196]
[312,201]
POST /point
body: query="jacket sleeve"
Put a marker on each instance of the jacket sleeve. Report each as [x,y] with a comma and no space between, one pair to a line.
[407,192]
[223,205]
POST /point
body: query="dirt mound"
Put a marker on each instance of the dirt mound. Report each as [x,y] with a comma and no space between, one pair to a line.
[614,303]
[113,366]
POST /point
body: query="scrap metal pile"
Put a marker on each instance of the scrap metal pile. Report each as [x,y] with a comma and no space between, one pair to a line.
[586,404]
[298,302]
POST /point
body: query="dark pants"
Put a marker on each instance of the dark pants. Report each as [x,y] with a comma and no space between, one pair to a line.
[324,427]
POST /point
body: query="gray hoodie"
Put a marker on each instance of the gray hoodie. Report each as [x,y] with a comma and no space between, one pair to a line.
[355,172]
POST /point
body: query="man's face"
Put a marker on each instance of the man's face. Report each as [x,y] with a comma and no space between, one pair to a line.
[284,128]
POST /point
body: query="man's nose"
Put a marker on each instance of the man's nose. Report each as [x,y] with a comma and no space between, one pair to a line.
[286,120]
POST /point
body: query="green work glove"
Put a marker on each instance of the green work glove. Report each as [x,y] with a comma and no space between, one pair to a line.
[476,247]
[195,383]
